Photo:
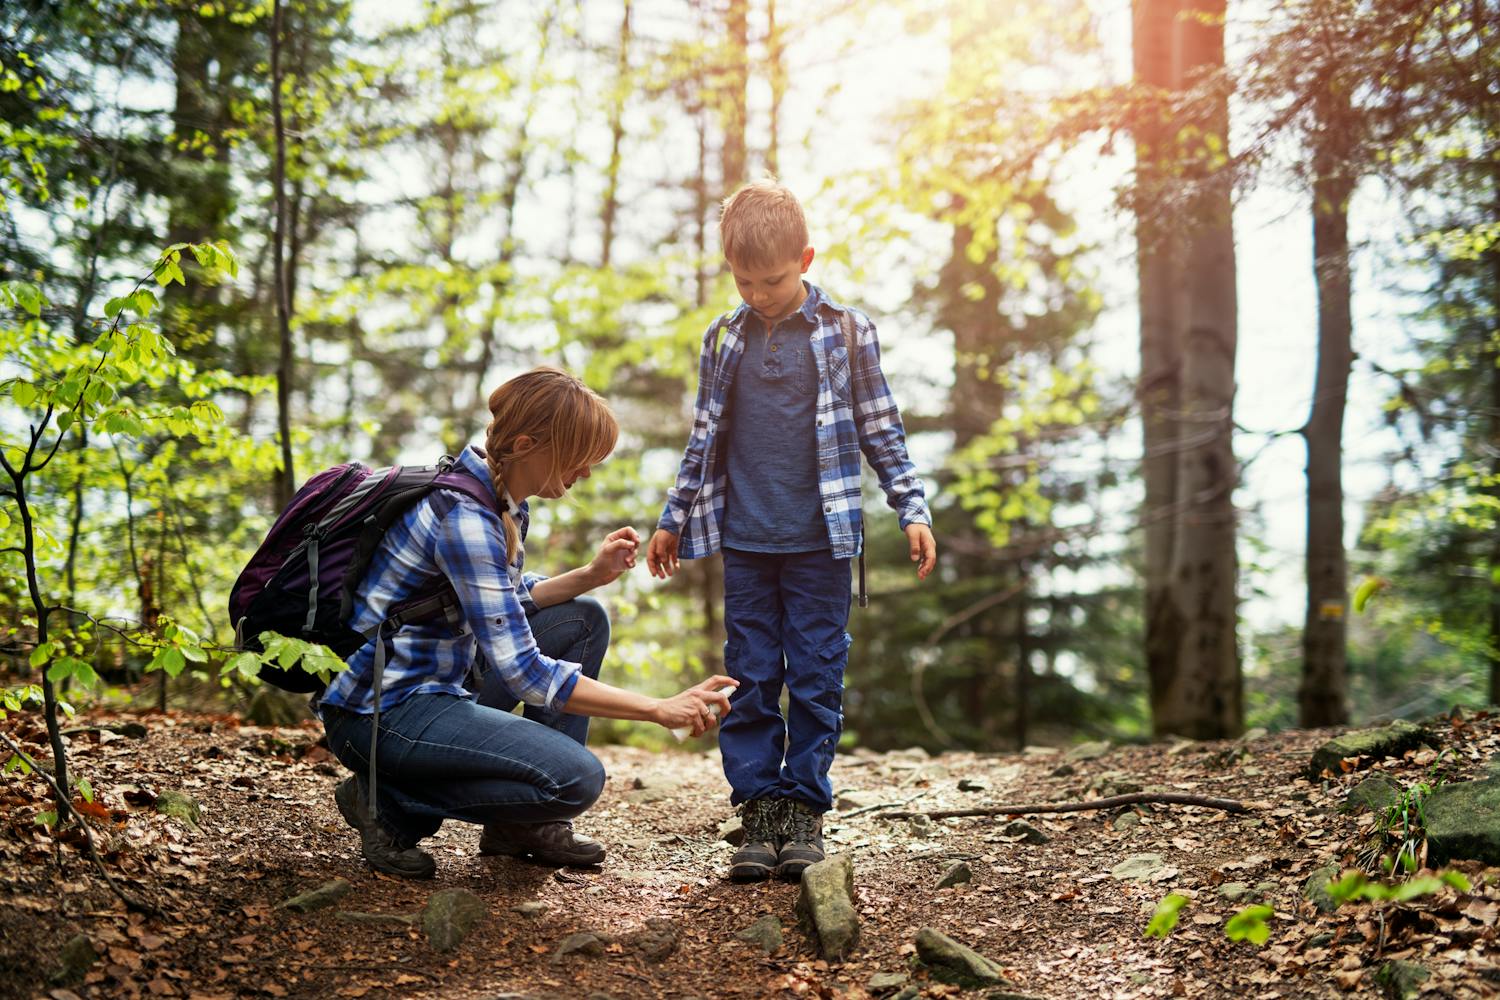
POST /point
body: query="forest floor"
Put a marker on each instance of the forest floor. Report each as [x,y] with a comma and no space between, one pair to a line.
[1052,915]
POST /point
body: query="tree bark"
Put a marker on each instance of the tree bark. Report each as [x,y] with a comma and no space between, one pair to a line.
[287,475]
[776,69]
[732,99]
[616,136]
[1322,699]
[1492,357]
[1161,308]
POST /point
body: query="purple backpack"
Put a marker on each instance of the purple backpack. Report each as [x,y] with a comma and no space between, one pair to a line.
[302,579]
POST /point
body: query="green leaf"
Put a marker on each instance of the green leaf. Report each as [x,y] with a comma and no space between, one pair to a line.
[1456,879]
[24,393]
[85,789]
[1165,917]
[48,818]
[41,654]
[1250,925]
[17,763]
[113,306]
[28,297]
[1350,887]
[1367,590]
[194,653]
[247,665]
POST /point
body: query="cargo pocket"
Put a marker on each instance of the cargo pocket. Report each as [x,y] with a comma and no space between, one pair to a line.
[832,655]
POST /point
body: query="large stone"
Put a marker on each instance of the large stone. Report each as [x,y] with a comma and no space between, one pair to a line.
[450,917]
[1137,867]
[582,943]
[956,963]
[180,806]
[655,941]
[1463,821]
[1376,793]
[1374,744]
[1315,889]
[74,960]
[271,707]
[320,898]
[1091,750]
[1019,829]
[1401,980]
[956,875]
[826,906]
[884,982]
[765,932]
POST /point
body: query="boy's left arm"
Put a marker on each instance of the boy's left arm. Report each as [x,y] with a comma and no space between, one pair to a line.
[882,438]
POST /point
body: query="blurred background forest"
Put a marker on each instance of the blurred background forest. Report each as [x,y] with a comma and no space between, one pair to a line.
[1190,308]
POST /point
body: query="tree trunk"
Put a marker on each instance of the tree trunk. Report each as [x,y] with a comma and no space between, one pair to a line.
[287,476]
[1161,309]
[1204,698]
[1322,698]
[776,69]
[616,135]
[732,99]
[1492,357]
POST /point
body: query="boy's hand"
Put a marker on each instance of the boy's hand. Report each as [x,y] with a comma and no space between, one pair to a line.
[661,554]
[923,548]
[616,554]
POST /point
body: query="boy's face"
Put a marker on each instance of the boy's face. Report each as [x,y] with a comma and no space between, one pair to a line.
[774,291]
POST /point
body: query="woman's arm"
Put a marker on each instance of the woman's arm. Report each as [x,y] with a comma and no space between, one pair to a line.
[616,555]
[686,710]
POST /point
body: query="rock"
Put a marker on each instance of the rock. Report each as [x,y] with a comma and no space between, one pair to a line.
[732,831]
[582,943]
[180,806]
[909,993]
[1401,980]
[883,982]
[1091,750]
[1064,770]
[1319,940]
[1315,888]
[1254,733]
[320,898]
[656,941]
[911,753]
[826,906]
[852,798]
[765,932]
[376,919]
[450,916]
[1137,868]
[1112,783]
[956,875]
[972,785]
[272,707]
[1234,891]
[1387,741]
[920,825]
[530,908]
[1024,831]
[1127,820]
[954,963]
[1181,746]
[74,960]
[1039,751]
[1376,793]
[1463,821]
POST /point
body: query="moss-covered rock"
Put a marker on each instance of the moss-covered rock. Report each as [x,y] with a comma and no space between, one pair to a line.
[1376,793]
[320,898]
[180,806]
[826,906]
[956,963]
[1463,821]
[450,916]
[1374,744]
[1315,889]
[1401,980]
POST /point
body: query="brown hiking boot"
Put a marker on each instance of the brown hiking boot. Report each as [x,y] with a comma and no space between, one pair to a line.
[552,843]
[755,860]
[380,847]
[804,841]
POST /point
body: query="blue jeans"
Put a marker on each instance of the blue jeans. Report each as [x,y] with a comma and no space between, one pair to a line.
[785,615]
[443,757]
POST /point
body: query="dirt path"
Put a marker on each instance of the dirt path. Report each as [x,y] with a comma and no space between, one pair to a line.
[1050,914]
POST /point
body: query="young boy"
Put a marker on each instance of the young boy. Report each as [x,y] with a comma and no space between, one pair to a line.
[771,475]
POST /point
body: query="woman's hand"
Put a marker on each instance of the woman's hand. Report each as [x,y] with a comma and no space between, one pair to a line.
[690,710]
[616,554]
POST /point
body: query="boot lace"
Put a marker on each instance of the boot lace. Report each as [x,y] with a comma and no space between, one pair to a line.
[802,824]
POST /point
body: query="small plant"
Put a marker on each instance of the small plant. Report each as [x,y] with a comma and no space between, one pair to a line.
[1250,924]
[1356,886]
[1164,920]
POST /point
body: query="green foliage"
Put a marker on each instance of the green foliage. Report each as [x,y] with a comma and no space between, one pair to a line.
[1164,919]
[1356,886]
[1249,924]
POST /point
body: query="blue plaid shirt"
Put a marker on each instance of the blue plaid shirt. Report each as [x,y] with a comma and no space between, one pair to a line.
[855,413]
[451,536]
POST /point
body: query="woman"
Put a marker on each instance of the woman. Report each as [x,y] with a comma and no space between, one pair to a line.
[442,753]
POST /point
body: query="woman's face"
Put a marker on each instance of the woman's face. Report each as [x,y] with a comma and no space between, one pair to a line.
[531,475]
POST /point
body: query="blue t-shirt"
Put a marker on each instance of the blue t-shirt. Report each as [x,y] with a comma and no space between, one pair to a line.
[773,503]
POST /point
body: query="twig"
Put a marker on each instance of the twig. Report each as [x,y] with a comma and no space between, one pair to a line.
[1173,798]
[130,901]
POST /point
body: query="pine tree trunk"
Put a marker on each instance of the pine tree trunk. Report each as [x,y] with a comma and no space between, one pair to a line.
[1322,699]
[287,475]
[1203,698]
[1161,309]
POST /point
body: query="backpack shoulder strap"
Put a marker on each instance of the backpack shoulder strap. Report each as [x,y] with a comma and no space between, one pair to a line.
[851,341]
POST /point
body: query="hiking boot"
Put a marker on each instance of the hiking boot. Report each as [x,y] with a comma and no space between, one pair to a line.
[552,843]
[380,847]
[804,841]
[756,858]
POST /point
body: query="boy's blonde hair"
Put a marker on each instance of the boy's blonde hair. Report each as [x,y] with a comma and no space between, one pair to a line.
[762,225]
[555,410]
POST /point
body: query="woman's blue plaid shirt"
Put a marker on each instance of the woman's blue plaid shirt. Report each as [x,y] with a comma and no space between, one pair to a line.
[855,413]
[451,536]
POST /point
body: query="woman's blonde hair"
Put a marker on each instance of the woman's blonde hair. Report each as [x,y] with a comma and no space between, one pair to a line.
[557,411]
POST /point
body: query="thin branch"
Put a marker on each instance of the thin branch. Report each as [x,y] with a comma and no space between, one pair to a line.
[1170,798]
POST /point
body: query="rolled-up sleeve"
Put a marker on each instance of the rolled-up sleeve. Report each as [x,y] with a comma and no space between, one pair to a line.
[471,553]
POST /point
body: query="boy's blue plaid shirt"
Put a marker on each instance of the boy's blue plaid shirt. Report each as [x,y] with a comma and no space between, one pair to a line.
[855,413]
[451,536]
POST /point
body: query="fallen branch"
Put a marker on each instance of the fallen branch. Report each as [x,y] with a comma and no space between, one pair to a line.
[881,805]
[1170,798]
[130,901]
